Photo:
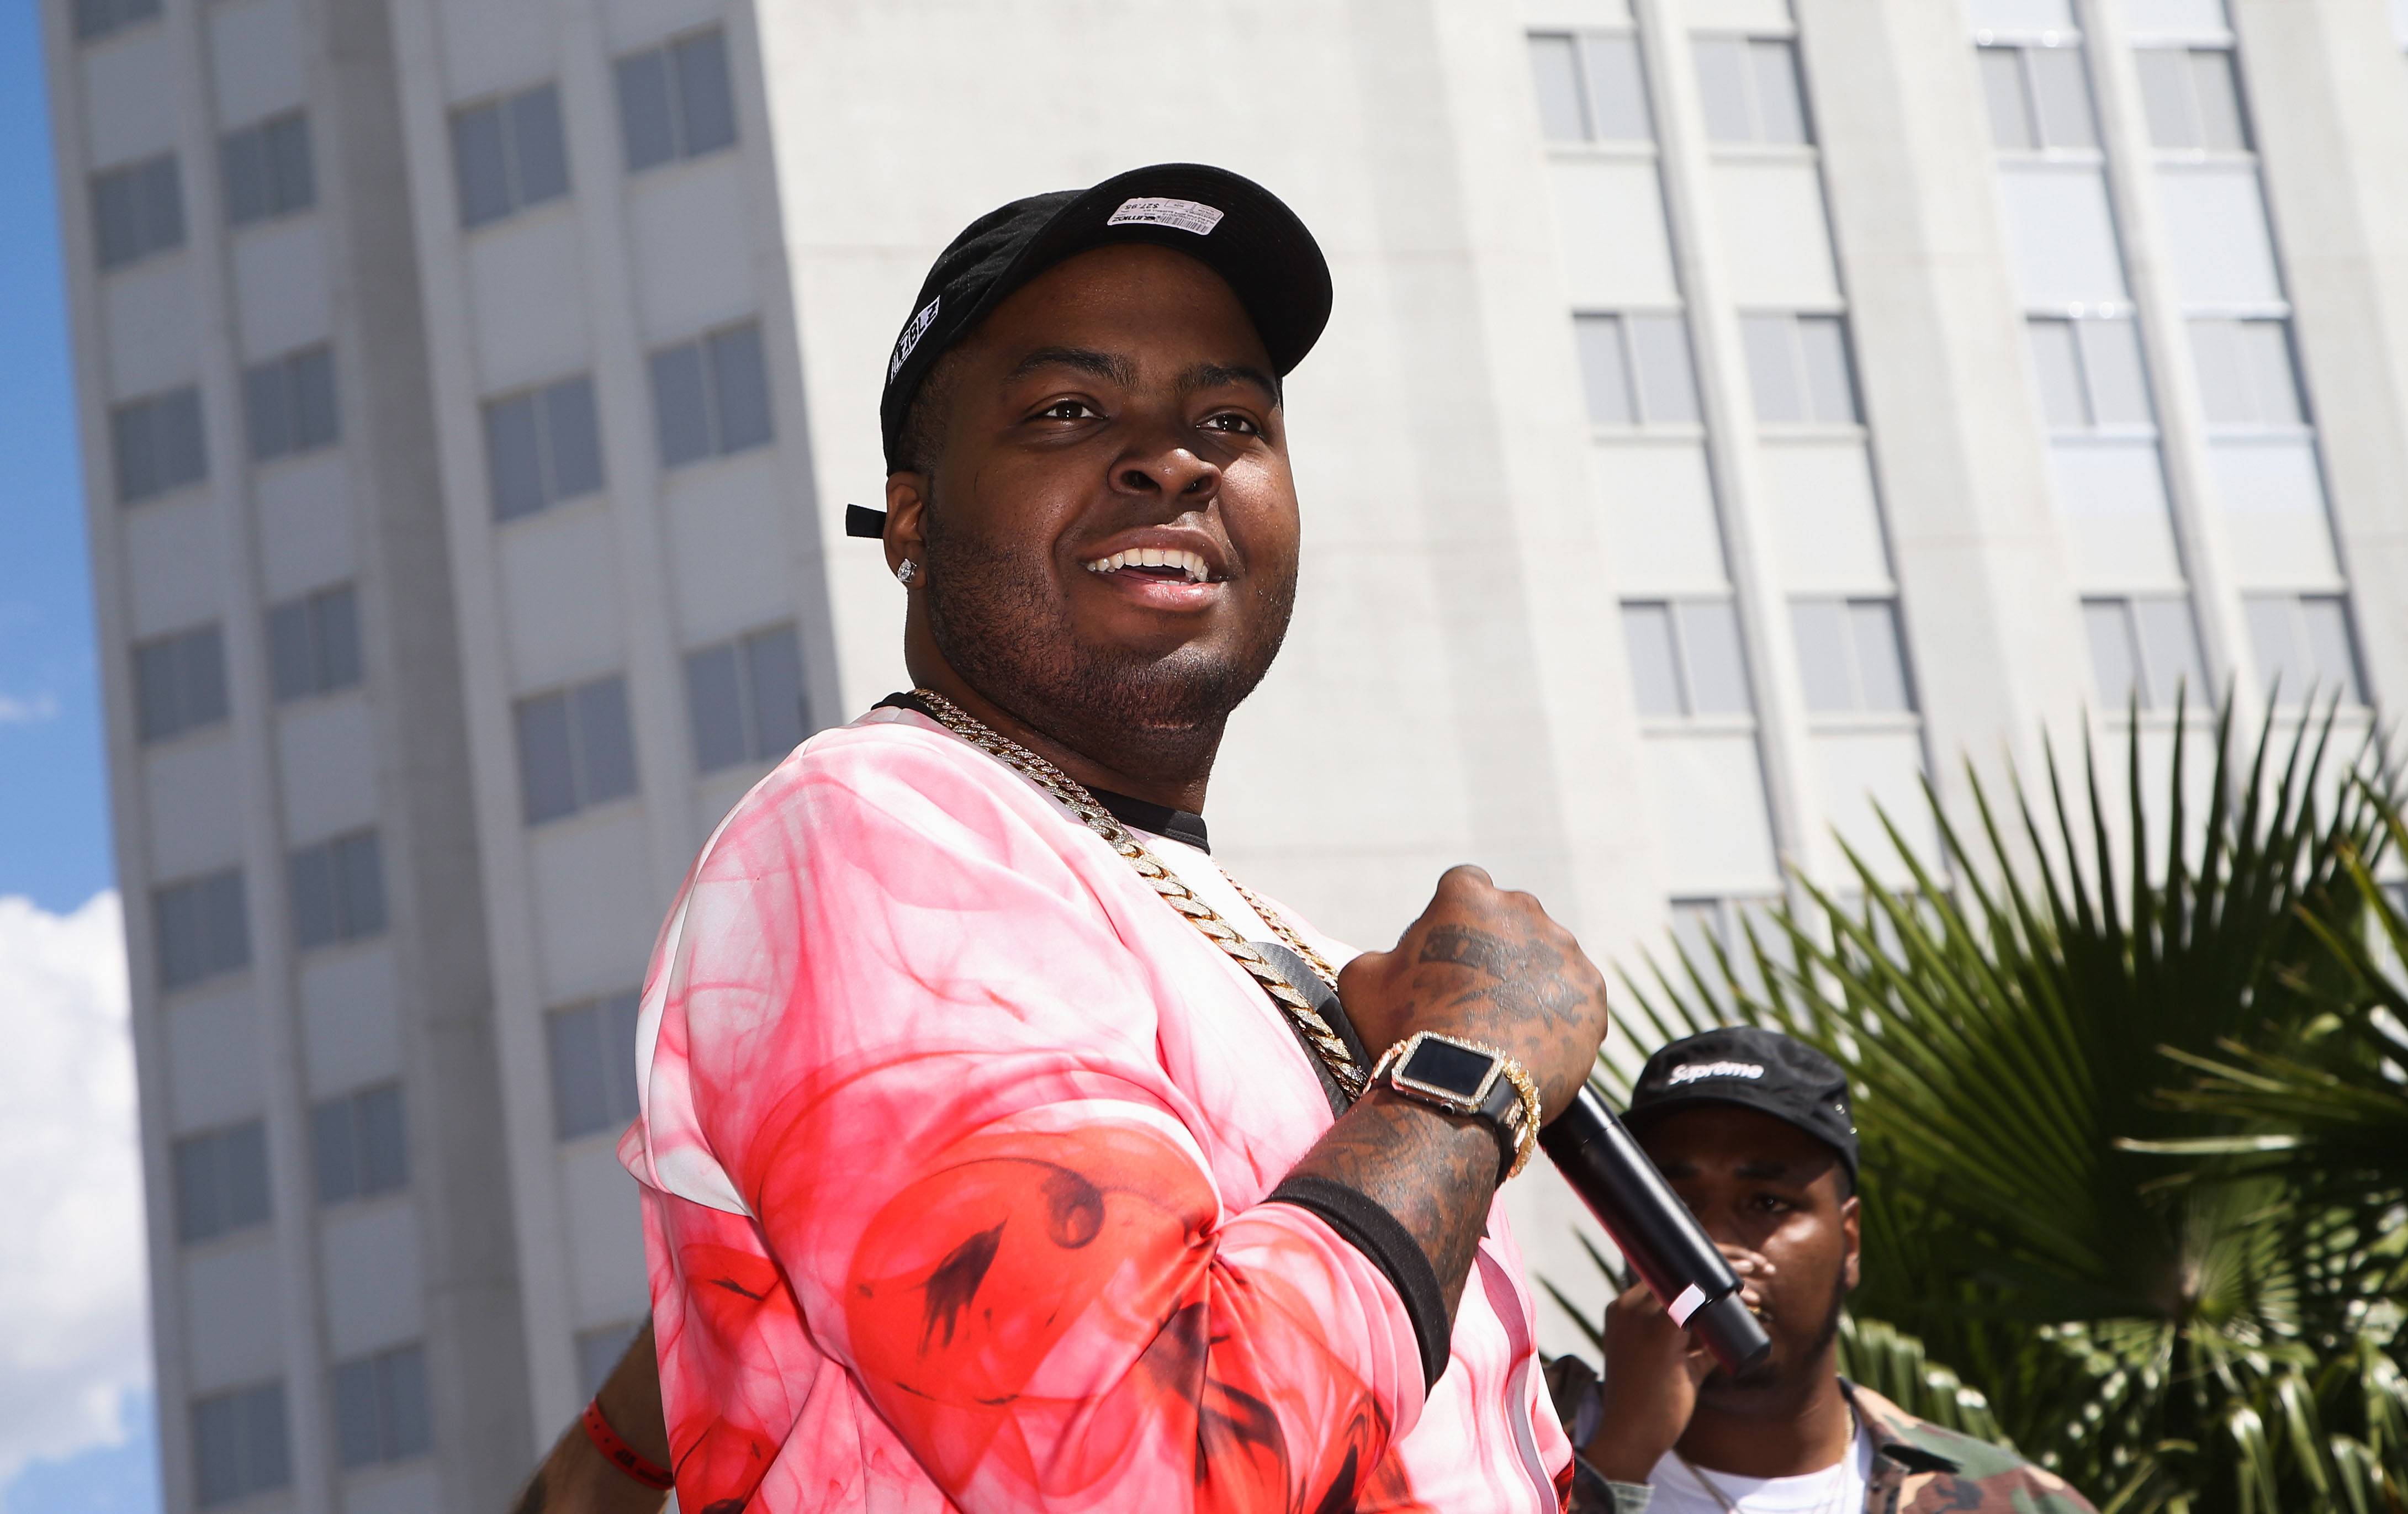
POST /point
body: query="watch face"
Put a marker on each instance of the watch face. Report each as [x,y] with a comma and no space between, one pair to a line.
[1459,1070]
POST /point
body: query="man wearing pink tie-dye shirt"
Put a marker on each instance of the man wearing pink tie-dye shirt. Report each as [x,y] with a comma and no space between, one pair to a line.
[980,1172]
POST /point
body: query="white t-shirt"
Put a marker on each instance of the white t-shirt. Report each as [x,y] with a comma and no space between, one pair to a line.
[1838,1489]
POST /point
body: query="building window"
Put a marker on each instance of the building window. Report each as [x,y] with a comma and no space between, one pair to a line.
[97,18]
[358,1145]
[179,684]
[1850,657]
[1636,369]
[2038,98]
[156,446]
[745,698]
[1685,658]
[137,211]
[592,1047]
[239,1444]
[1736,926]
[2193,99]
[2247,376]
[267,170]
[381,1408]
[2146,652]
[288,405]
[542,447]
[598,1351]
[1591,88]
[220,1183]
[2091,374]
[2304,647]
[313,643]
[1797,368]
[674,101]
[508,154]
[711,396]
[575,749]
[203,928]
[1750,90]
[337,890]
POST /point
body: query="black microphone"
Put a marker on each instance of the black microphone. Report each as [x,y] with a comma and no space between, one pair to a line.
[1654,1230]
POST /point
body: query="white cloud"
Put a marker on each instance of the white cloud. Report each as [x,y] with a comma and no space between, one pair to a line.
[74,1310]
[33,712]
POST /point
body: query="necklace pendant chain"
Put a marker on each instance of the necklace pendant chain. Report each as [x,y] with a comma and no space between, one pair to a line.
[1073,797]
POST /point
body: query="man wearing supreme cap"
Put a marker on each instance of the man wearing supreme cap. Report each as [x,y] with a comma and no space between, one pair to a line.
[999,1151]
[1753,1130]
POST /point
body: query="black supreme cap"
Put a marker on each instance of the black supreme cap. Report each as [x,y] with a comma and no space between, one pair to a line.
[1755,1069]
[1225,221]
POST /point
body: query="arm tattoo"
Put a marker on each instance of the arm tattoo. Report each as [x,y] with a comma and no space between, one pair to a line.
[1435,1174]
[1523,978]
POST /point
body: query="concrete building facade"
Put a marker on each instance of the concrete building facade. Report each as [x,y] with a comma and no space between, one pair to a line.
[1734,411]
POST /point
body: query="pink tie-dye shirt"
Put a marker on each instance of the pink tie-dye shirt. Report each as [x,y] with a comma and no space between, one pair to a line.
[955,1146]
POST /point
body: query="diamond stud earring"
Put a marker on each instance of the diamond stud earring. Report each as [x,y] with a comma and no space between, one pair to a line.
[906,572]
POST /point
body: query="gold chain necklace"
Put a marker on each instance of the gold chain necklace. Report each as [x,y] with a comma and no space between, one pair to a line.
[1073,796]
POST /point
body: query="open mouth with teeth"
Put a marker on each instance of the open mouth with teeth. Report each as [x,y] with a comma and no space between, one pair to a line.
[1170,564]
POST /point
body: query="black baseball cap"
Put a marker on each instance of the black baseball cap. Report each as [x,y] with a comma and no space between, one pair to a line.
[1755,1069]
[1233,225]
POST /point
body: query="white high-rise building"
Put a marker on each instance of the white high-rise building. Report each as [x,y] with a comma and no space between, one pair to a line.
[1730,415]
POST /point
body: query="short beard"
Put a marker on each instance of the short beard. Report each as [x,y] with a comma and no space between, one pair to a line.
[1720,1386]
[1002,631]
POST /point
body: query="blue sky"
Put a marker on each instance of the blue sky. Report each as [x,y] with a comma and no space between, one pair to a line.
[53,799]
[54,792]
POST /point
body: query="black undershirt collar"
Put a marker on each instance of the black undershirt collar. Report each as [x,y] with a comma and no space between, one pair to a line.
[1138,814]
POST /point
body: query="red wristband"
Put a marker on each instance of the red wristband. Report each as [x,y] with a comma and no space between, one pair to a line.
[616,1452]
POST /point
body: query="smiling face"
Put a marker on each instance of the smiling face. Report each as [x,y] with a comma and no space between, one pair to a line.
[1107,520]
[1762,1183]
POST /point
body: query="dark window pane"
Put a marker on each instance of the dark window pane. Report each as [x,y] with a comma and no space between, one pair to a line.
[512,458]
[2002,87]
[1710,654]
[2331,650]
[579,1098]
[715,707]
[574,436]
[402,1384]
[334,1151]
[157,714]
[218,1470]
[181,937]
[355,1414]
[1781,109]
[619,1014]
[129,12]
[266,412]
[703,94]
[200,677]
[740,385]
[94,17]
[773,660]
[315,918]
[644,129]
[1881,660]
[476,164]
[223,922]
[334,618]
[1617,89]
[1772,348]
[1604,373]
[245,153]
[1668,387]
[538,149]
[116,218]
[604,745]
[1831,388]
[1555,71]
[175,432]
[243,1173]
[1723,88]
[200,1211]
[2217,91]
[266,1458]
[547,780]
[315,423]
[679,412]
[2169,652]
[2165,95]
[359,881]
[384,1140]
[1823,660]
[1654,661]
[161,198]
[292,183]
[133,448]
[290,668]
[2064,91]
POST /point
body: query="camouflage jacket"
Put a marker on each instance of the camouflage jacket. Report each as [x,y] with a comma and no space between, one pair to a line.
[1918,1468]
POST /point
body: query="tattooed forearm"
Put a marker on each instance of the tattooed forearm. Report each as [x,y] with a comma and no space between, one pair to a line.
[1433,1172]
[1525,979]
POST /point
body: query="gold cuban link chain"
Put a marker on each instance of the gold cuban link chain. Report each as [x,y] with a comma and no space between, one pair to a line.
[1073,796]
